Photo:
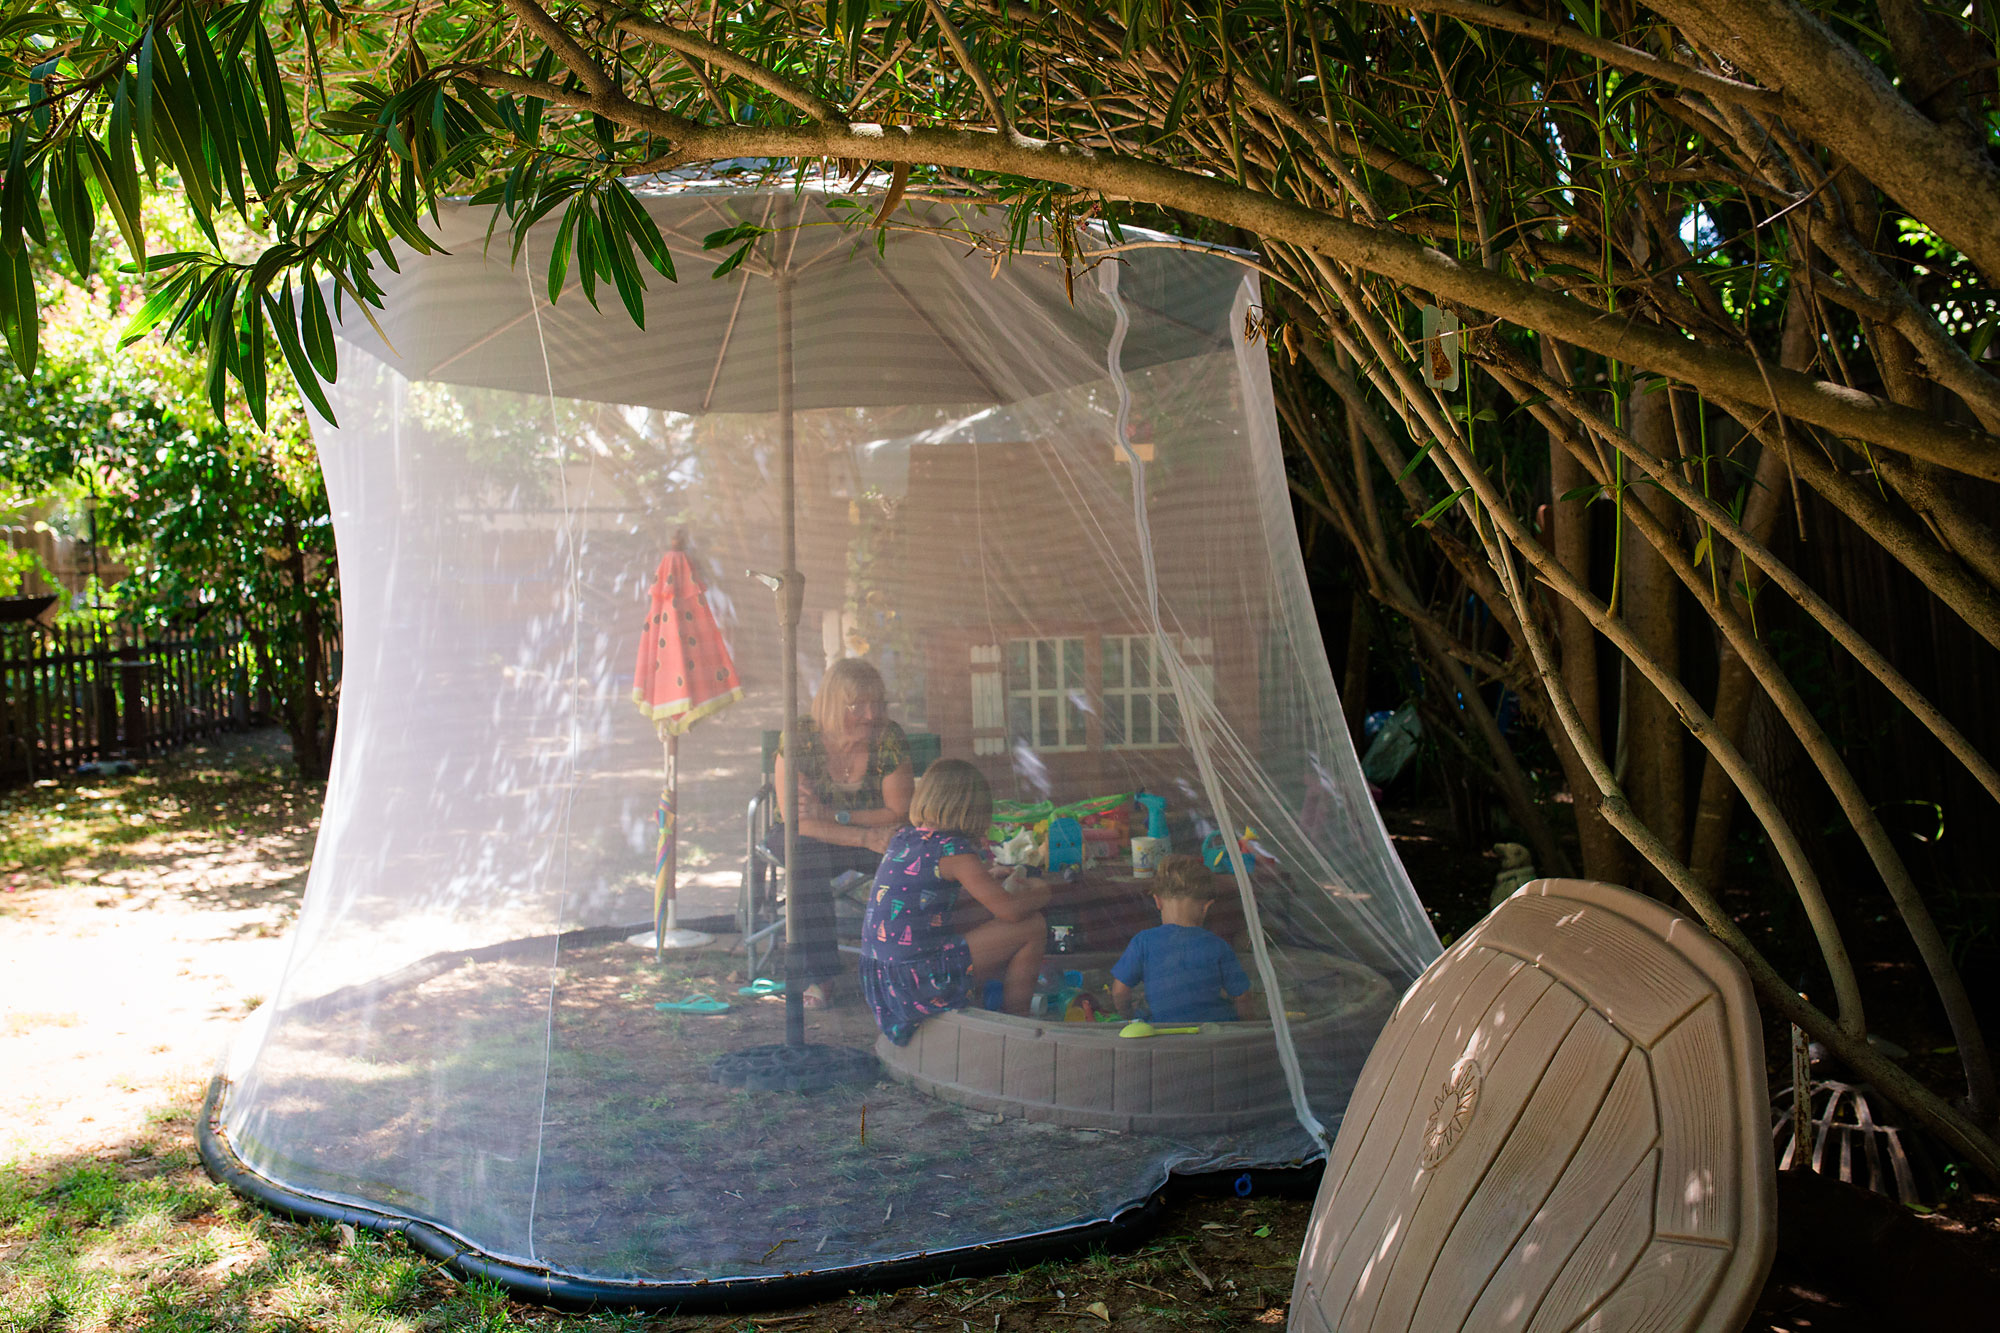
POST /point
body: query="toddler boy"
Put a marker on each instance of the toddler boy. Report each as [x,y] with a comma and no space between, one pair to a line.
[1191,974]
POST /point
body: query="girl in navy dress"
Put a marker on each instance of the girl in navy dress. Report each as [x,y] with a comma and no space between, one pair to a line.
[913,965]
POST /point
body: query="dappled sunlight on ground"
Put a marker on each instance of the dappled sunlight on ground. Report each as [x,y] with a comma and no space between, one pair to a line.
[125,968]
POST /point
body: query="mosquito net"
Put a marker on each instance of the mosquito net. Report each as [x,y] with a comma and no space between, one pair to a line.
[1044,501]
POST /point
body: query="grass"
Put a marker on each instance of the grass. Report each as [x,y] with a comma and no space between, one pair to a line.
[138,1238]
[143,1240]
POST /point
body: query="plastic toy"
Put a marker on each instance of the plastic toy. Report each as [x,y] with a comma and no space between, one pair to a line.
[695,1003]
[1139,1027]
[1215,851]
[1148,848]
[1065,843]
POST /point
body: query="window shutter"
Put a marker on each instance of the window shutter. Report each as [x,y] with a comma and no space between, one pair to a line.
[989,701]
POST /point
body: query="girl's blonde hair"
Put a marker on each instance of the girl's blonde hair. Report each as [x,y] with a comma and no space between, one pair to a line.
[952,794]
[847,681]
[1183,876]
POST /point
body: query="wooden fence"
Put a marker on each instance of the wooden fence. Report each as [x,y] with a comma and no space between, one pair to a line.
[75,694]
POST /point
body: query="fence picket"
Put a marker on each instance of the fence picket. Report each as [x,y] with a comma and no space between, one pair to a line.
[69,694]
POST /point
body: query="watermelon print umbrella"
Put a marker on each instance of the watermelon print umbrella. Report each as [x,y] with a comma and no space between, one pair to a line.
[683,674]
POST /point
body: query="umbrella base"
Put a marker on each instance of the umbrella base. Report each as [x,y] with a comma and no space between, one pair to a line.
[808,1068]
[673,939]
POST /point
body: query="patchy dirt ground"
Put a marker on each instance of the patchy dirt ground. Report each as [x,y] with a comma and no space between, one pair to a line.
[142,918]
[124,968]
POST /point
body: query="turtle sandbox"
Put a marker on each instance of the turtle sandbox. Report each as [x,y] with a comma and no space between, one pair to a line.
[1085,1076]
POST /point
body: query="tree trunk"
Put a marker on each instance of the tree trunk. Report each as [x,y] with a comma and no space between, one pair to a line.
[305,711]
[1735,687]
[1649,596]
[1354,677]
[1606,855]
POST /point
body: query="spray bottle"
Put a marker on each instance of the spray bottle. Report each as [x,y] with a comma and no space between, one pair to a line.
[1149,847]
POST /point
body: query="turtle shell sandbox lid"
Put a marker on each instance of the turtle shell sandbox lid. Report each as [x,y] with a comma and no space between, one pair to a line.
[1563,1127]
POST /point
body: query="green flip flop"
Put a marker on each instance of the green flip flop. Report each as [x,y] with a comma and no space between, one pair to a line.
[695,1003]
[762,986]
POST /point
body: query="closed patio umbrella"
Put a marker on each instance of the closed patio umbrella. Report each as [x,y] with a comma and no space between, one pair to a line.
[683,674]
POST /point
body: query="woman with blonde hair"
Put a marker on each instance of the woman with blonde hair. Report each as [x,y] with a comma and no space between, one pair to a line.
[855,782]
[913,965]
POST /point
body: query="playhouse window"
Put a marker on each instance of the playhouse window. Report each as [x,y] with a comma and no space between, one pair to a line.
[1045,693]
[1140,709]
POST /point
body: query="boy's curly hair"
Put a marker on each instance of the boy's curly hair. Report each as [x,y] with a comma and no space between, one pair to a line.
[1183,876]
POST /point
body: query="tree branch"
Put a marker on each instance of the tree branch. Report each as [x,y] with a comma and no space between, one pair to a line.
[556,37]
[612,106]
[1819,748]
[1784,578]
[1616,54]
[1854,110]
[973,69]
[1851,1046]
[697,47]
[1834,407]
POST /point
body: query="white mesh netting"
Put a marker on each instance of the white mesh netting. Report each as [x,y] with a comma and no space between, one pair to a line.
[461,1039]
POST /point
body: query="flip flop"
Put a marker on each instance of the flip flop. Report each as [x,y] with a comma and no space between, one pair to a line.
[762,986]
[695,1003]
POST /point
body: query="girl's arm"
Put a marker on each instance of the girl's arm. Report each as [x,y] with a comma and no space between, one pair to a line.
[969,873]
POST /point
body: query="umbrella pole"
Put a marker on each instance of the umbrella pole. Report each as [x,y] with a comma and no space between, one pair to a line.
[664,882]
[792,595]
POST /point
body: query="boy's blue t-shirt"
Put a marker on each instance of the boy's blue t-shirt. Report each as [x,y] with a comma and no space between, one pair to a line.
[1187,971]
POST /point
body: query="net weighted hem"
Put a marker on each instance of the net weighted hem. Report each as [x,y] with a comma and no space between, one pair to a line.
[581,1292]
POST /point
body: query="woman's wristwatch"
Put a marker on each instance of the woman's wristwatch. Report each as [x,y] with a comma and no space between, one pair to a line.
[843,817]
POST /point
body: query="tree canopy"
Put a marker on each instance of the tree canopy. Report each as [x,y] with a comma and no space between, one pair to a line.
[1711,260]
[212,522]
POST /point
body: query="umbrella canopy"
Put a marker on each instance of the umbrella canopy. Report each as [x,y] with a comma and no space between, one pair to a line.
[887,325]
[684,672]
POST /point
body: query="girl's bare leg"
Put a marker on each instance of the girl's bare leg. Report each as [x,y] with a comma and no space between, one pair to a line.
[1012,952]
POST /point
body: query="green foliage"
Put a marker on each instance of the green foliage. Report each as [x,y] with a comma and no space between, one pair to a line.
[334,133]
[222,524]
[17,566]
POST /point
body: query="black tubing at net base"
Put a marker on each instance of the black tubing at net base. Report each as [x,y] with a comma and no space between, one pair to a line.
[724,1296]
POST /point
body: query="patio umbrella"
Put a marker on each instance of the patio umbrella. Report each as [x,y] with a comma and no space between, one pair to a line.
[683,674]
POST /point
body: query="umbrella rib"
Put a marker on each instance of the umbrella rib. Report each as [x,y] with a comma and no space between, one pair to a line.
[729,331]
[950,342]
[722,351]
[511,324]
